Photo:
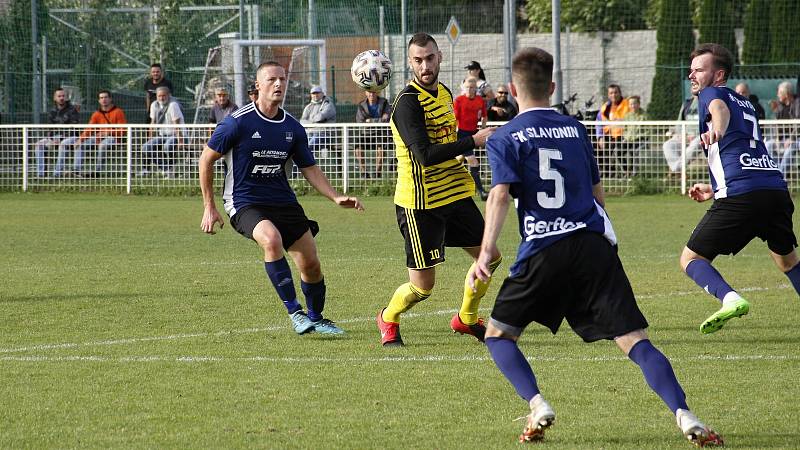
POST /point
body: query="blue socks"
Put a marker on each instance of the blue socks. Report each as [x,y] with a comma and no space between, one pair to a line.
[281,277]
[794,277]
[315,298]
[659,374]
[510,360]
[707,277]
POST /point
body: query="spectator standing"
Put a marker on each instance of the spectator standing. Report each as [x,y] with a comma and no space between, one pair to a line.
[160,150]
[101,138]
[484,88]
[156,80]
[63,113]
[319,110]
[374,109]
[610,137]
[500,109]
[470,109]
[223,106]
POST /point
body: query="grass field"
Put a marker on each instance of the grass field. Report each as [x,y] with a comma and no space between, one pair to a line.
[124,326]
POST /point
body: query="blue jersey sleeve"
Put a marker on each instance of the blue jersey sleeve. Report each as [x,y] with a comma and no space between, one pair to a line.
[225,136]
[504,160]
[704,98]
[301,154]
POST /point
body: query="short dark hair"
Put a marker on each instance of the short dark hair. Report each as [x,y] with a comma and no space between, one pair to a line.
[615,86]
[422,39]
[532,71]
[635,97]
[266,64]
[722,57]
[156,65]
[104,91]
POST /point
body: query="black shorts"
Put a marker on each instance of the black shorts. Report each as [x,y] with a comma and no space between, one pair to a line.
[462,134]
[579,278]
[428,231]
[732,222]
[290,220]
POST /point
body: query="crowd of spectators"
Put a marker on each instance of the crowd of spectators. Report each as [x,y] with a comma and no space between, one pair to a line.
[618,148]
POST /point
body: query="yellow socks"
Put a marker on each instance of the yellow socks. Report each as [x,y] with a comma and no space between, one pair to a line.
[472,299]
[406,296]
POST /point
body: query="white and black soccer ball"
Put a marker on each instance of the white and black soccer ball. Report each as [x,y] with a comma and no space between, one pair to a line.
[371,70]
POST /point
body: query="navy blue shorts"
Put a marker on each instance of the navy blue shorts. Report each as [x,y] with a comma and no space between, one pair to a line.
[290,220]
[732,222]
[579,278]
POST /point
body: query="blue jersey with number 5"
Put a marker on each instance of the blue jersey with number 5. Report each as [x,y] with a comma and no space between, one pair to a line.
[547,160]
[739,163]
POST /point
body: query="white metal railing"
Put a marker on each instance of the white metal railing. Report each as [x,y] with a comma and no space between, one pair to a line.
[648,156]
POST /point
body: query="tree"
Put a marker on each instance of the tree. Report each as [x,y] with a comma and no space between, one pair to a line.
[756,47]
[675,43]
[588,15]
[784,28]
[716,24]
[15,26]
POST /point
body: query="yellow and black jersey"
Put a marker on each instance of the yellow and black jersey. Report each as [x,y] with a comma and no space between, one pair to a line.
[424,132]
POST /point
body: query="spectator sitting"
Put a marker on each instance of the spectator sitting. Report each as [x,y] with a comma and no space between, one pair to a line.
[374,109]
[673,147]
[101,138]
[786,107]
[320,110]
[63,113]
[744,90]
[610,137]
[474,70]
[155,81]
[500,109]
[634,137]
[160,150]
[223,105]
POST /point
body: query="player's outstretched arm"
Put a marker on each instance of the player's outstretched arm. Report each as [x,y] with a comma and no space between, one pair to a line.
[720,119]
[206,169]
[701,192]
[496,211]
[320,182]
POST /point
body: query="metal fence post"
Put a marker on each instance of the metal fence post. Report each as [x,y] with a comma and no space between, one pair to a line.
[345,157]
[129,162]
[683,158]
[24,159]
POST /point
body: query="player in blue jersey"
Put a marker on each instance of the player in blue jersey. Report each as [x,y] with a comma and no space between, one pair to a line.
[567,264]
[258,142]
[750,196]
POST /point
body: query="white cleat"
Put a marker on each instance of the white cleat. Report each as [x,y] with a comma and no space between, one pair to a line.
[695,431]
[541,418]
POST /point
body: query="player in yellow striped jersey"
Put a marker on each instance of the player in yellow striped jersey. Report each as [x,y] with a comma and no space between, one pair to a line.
[433,198]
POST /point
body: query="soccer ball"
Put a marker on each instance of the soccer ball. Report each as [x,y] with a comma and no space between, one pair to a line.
[371,70]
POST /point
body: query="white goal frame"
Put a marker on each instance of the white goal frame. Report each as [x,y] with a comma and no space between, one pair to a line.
[238,67]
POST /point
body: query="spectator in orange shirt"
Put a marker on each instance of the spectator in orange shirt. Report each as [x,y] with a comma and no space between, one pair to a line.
[610,137]
[101,138]
[470,109]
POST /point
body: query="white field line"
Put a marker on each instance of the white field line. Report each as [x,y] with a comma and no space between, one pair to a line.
[367,359]
[172,337]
